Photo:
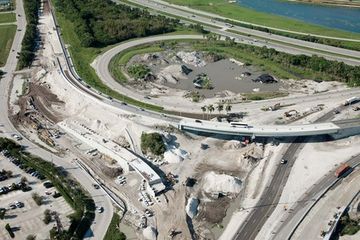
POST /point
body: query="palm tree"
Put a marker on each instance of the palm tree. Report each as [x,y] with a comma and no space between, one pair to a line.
[228,108]
[211,108]
[203,108]
[220,107]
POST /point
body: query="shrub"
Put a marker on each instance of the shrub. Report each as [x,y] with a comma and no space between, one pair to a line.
[138,71]
[31,237]
[47,216]
[37,198]
[152,142]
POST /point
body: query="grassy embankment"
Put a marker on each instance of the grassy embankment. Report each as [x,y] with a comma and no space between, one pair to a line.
[118,63]
[7,17]
[113,232]
[7,33]
[240,13]
[83,57]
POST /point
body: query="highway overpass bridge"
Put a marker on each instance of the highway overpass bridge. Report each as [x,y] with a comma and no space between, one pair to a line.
[244,129]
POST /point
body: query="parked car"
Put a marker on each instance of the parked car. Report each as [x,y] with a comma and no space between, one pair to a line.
[12,206]
[19,204]
[100,209]
[41,177]
[56,195]
[48,184]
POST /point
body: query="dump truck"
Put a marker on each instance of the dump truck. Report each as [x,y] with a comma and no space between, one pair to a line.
[340,171]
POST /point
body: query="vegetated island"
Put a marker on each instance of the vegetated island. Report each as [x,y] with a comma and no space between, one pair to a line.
[343,3]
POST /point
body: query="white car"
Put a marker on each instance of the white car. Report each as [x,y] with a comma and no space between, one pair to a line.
[17,137]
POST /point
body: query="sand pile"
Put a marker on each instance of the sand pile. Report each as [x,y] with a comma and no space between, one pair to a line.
[174,155]
[150,233]
[233,144]
[192,58]
[192,207]
[173,73]
[221,183]
[322,87]
[149,57]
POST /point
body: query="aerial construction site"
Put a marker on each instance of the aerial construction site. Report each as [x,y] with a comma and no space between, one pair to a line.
[182,139]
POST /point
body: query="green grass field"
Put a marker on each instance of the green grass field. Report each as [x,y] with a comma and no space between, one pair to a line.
[234,11]
[120,60]
[7,33]
[7,17]
[113,232]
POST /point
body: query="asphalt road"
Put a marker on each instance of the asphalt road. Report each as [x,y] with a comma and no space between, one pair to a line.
[271,196]
[212,15]
[277,42]
[102,62]
[303,204]
[102,220]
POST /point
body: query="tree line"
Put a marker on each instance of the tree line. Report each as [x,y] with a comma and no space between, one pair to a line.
[323,69]
[101,23]
[27,54]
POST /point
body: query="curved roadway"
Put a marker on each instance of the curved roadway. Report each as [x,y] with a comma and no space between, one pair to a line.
[101,66]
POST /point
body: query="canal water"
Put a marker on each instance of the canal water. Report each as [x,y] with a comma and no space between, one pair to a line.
[342,18]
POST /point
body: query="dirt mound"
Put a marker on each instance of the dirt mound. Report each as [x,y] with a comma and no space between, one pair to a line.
[233,144]
[39,99]
[173,73]
[215,184]
[193,58]
[150,233]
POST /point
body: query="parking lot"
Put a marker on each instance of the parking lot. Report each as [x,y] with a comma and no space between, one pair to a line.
[22,213]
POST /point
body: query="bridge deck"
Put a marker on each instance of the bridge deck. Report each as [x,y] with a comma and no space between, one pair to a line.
[260,130]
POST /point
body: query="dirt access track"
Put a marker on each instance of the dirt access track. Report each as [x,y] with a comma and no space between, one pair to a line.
[38,99]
